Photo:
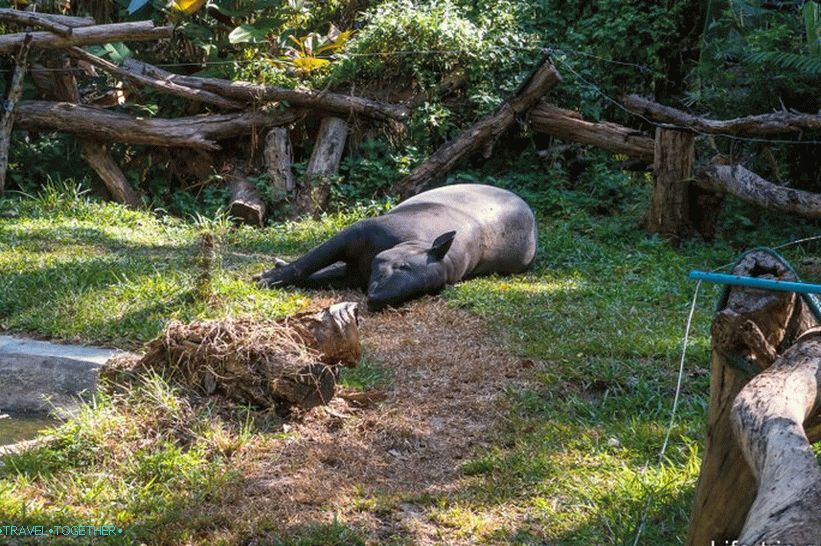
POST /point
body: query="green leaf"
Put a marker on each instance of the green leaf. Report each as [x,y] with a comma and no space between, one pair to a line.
[246,33]
[810,12]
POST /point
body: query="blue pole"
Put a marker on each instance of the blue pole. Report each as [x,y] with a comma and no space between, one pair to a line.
[756,282]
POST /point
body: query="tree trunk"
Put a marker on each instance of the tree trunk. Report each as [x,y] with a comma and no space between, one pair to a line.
[749,187]
[252,92]
[768,416]
[31,19]
[190,132]
[9,107]
[569,125]
[82,36]
[278,157]
[323,165]
[750,329]
[246,204]
[484,133]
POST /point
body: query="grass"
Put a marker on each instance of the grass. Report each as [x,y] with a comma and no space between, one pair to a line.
[601,313]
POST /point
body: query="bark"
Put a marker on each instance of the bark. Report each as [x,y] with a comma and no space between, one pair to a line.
[191,132]
[278,158]
[252,92]
[768,417]
[31,19]
[726,485]
[82,36]
[748,186]
[7,14]
[669,213]
[569,125]
[9,106]
[116,183]
[322,166]
[484,133]
[169,87]
[760,125]
[246,204]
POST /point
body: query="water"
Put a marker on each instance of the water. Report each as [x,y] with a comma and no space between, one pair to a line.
[23,427]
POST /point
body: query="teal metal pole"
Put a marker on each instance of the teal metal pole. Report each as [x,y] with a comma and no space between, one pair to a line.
[756,282]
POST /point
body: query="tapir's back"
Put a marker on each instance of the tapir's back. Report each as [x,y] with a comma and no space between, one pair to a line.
[493,224]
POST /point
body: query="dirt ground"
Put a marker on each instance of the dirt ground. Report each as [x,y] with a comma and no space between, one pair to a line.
[447,375]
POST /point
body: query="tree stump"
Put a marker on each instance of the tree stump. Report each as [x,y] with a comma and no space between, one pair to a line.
[278,158]
[749,331]
[679,209]
[7,115]
[246,204]
[323,165]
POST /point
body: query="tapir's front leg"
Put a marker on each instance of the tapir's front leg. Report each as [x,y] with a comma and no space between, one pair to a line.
[320,257]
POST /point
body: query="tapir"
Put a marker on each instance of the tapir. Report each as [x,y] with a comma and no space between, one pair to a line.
[433,239]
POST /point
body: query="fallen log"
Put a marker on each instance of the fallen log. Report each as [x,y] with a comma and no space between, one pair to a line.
[32,19]
[191,132]
[749,187]
[70,21]
[246,203]
[569,125]
[323,164]
[252,92]
[768,417]
[483,134]
[284,364]
[278,158]
[8,114]
[82,36]
[172,88]
[750,328]
[760,125]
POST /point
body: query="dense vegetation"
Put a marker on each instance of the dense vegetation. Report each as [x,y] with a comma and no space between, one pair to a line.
[577,456]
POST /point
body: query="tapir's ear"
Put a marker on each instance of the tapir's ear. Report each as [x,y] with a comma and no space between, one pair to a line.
[441,245]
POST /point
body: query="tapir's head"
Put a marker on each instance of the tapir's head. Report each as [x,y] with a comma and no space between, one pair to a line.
[408,270]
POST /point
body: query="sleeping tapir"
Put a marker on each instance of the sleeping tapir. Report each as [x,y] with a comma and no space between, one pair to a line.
[433,239]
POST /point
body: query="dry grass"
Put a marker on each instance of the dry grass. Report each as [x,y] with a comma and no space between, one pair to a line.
[365,466]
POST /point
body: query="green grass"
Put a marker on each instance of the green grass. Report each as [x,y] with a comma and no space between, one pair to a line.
[602,313]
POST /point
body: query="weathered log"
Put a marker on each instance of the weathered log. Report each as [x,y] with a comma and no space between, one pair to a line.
[9,109]
[726,485]
[169,87]
[82,36]
[252,92]
[192,132]
[483,134]
[768,417]
[71,21]
[569,125]
[246,203]
[278,157]
[322,166]
[760,125]
[32,19]
[749,187]
[669,212]
[97,156]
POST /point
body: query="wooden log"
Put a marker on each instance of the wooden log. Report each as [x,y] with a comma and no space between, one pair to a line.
[97,156]
[9,106]
[669,212]
[31,19]
[252,92]
[70,21]
[760,125]
[191,132]
[768,417]
[322,166]
[172,88]
[483,134]
[726,485]
[278,158]
[82,36]
[749,187]
[569,125]
[246,203]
